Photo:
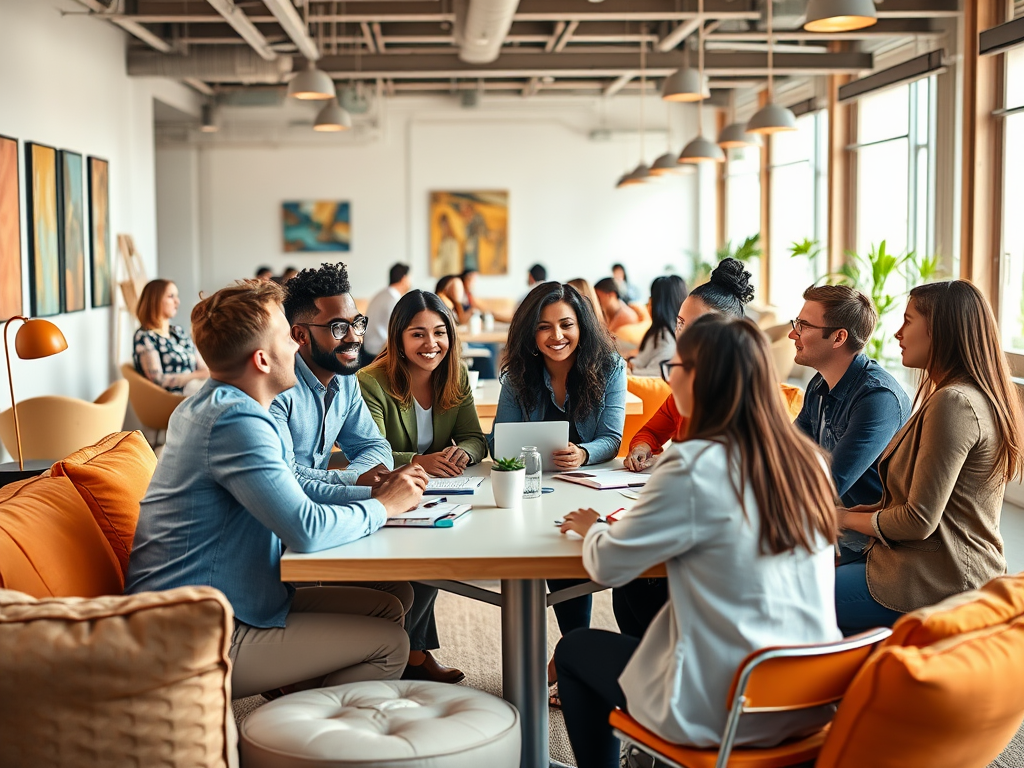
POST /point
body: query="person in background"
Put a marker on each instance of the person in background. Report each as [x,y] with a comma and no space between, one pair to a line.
[452,292]
[630,294]
[288,274]
[587,292]
[418,393]
[162,352]
[378,313]
[744,494]
[264,274]
[617,312]
[448,259]
[659,343]
[469,303]
[852,407]
[560,365]
[224,503]
[538,273]
[935,531]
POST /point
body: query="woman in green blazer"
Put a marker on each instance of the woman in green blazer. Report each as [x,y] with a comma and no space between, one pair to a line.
[418,392]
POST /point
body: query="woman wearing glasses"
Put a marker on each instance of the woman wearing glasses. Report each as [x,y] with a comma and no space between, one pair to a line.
[741,514]
[659,343]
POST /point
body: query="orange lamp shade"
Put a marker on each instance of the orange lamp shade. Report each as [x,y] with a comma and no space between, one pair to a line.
[39,338]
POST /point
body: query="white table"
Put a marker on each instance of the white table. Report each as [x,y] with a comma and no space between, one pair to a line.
[488,390]
[520,547]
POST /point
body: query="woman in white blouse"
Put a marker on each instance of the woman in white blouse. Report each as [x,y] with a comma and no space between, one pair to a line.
[741,513]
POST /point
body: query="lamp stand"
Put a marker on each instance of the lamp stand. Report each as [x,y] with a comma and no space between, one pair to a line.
[10,381]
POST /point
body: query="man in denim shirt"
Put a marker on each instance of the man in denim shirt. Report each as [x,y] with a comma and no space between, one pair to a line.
[853,406]
[224,502]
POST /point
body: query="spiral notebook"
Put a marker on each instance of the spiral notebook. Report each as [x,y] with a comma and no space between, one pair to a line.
[430,514]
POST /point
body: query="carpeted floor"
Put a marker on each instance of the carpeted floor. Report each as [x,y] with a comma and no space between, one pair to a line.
[471,640]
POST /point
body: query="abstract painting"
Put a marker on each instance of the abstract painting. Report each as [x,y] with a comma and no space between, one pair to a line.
[468,230]
[72,231]
[10,231]
[46,274]
[313,226]
[99,231]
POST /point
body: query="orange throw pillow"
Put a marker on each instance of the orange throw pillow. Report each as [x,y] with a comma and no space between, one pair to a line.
[50,545]
[112,476]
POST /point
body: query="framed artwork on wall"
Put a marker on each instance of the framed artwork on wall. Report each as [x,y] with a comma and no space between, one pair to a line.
[315,226]
[99,231]
[72,229]
[10,231]
[45,267]
[469,230]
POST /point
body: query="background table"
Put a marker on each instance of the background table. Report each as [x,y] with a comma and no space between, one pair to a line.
[521,547]
[488,390]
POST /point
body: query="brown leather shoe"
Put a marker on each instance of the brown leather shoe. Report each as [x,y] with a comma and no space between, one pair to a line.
[431,670]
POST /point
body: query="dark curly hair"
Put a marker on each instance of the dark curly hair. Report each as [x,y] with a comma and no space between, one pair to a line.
[305,288]
[523,369]
[728,289]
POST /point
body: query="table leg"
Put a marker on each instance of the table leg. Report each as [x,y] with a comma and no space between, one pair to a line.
[524,651]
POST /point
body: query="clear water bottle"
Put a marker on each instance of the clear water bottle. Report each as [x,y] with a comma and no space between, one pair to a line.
[530,457]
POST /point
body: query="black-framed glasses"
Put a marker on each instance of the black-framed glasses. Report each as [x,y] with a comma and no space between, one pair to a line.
[799,326]
[666,368]
[339,328]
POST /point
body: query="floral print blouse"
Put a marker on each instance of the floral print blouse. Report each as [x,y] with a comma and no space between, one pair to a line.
[164,359]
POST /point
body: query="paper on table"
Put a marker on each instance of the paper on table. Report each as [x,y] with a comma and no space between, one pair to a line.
[436,516]
[604,479]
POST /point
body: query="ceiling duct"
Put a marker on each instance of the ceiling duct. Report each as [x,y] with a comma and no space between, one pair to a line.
[481,27]
[211,64]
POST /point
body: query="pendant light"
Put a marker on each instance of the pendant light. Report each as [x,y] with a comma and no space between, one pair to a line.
[771,118]
[839,15]
[332,118]
[668,163]
[701,150]
[684,85]
[735,135]
[312,84]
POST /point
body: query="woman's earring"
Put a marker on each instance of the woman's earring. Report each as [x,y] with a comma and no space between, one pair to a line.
[536,351]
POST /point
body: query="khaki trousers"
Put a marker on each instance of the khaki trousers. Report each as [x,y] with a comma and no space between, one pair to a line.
[333,635]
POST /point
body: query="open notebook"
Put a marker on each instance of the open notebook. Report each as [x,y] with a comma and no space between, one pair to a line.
[430,514]
[443,486]
[604,479]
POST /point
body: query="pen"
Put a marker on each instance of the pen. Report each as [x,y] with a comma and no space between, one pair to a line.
[435,502]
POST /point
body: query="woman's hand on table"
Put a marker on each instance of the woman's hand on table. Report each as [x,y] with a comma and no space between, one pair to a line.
[457,456]
[639,458]
[579,521]
[570,458]
[437,464]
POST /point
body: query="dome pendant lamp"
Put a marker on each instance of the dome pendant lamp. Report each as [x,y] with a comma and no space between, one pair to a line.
[312,84]
[332,118]
[701,150]
[839,15]
[735,135]
[771,118]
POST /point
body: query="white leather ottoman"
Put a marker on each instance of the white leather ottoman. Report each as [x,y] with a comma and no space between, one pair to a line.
[388,724]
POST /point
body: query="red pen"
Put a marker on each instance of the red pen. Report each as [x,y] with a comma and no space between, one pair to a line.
[613,517]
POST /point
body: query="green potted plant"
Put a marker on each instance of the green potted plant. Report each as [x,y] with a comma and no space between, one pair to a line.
[508,479]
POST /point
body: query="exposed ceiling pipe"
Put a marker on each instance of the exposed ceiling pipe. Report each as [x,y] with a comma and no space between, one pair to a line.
[130,26]
[211,65]
[481,27]
[236,17]
[294,27]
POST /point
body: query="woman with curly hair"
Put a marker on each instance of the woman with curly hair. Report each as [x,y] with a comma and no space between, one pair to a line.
[560,365]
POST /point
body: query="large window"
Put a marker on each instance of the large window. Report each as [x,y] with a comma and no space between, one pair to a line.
[743,201]
[1012,295]
[798,212]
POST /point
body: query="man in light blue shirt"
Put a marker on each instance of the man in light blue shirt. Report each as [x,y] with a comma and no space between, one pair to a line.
[224,502]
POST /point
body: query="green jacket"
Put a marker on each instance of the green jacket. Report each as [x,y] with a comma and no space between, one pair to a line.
[397,423]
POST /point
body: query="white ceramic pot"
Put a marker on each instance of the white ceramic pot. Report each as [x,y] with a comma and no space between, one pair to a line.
[508,488]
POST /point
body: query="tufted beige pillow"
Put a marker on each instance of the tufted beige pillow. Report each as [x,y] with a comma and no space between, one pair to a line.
[139,680]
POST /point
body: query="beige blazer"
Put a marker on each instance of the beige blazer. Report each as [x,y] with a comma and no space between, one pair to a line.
[938,526]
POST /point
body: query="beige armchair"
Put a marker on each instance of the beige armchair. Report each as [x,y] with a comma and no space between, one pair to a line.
[53,426]
[152,403]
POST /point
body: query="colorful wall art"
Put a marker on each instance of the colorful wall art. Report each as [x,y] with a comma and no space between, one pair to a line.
[72,214]
[314,226]
[46,274]
[99,231]
[468,230]
[10,231]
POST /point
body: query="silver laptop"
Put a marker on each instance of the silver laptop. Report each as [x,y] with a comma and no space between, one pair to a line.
[548,436]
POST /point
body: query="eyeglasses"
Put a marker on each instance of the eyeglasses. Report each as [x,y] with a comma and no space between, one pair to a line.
[799,325]
[339,328]
[666,368]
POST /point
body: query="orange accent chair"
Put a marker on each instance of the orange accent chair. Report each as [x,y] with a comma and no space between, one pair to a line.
[769,680]
[53,426]
[652,391]
[152,403]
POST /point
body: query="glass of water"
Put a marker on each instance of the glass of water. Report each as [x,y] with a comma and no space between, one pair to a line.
[530,457]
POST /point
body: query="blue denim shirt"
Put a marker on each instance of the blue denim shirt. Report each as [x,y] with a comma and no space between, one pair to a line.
[854,422]
[601,430]
[312,418]
[224,502]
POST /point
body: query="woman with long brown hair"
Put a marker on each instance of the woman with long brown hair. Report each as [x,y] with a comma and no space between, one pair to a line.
[936,529]
[741,513]
[418,393]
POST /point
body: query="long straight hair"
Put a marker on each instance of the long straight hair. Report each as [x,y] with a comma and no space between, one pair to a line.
[736,402]
[446,380]
[667,293]
[965,348]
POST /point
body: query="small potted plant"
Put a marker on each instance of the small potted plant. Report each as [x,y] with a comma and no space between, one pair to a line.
[508,478]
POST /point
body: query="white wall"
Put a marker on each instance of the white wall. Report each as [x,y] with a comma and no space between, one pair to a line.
[564,210]
[63,83]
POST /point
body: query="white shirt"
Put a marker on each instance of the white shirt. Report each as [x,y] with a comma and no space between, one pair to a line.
[424,427]
[379,313]
[726,598]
